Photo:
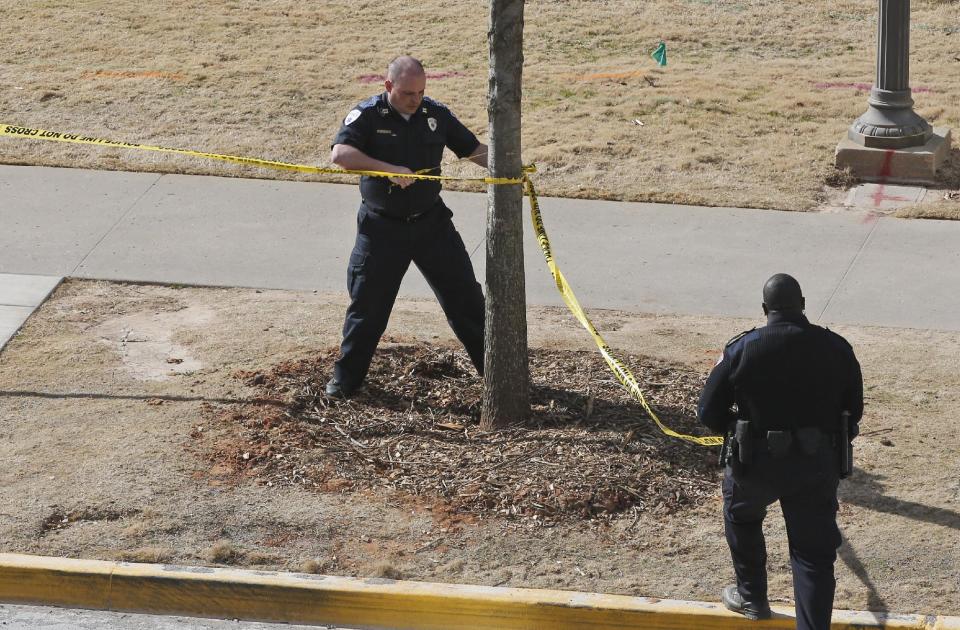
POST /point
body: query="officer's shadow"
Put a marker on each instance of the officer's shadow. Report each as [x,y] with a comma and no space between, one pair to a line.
[866,490]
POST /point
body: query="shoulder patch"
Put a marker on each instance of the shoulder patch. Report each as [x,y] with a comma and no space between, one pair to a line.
[351,117]
[737,337]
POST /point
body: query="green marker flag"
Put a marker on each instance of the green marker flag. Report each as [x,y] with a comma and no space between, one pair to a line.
[660,54]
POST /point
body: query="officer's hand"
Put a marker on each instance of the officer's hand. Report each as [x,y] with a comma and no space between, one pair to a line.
[402,182]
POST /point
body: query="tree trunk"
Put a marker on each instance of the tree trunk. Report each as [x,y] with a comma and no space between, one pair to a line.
[506,393]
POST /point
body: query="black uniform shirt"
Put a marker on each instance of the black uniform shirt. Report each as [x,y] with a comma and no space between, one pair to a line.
[787,374]
[378,130]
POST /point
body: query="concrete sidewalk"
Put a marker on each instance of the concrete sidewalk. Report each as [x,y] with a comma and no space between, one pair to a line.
[49,618]
[855,268]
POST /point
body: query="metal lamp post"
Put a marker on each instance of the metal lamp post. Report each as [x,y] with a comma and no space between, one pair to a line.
[890,141]
[890,122]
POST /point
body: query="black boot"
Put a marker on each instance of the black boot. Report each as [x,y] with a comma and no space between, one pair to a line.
[734,601]
[336,389]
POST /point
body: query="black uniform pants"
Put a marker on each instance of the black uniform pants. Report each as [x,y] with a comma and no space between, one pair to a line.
[806,487]
[381,256]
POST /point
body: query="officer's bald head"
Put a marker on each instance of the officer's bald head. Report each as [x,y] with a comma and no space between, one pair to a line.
[404,66]
[782,293]
[405,84]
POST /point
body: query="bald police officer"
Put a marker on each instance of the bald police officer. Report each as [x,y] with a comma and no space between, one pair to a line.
[403,220]
[781,391]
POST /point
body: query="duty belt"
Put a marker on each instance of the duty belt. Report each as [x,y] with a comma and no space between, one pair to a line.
[410,218]
[742,441]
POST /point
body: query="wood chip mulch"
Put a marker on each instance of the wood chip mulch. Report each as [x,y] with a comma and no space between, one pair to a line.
[586,451]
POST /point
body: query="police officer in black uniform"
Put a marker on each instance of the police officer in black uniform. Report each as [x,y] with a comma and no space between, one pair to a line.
[403,220]
[779,393]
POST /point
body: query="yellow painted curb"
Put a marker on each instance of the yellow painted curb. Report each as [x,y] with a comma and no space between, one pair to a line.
[376,603]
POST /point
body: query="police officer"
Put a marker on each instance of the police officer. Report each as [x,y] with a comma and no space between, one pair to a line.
[784,387]
[403,220]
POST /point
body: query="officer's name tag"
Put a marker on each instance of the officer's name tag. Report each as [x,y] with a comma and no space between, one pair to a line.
[386,131]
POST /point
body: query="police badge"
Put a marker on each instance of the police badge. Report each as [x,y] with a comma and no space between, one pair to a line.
[432,123]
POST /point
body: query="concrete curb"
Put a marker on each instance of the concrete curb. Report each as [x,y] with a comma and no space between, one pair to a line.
[375,603]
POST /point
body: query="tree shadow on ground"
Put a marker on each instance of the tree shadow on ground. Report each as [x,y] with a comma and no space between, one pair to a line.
[875,603]
[567,388]
[586,448]
[865,490]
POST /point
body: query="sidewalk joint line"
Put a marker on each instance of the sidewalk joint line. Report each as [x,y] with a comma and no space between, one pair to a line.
[846,272]
[482,241]
[114,226]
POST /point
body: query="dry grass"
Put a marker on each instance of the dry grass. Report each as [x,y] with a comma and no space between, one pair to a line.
[387,571]
[943,203]
[222,552]
[150,555]
[311,566]
[737,118]
[258,558]
[942,209]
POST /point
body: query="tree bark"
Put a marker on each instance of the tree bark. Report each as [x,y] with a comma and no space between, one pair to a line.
[506,394]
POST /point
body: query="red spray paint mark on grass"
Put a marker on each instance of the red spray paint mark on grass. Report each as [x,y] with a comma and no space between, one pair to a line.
[379,78]
[864,87]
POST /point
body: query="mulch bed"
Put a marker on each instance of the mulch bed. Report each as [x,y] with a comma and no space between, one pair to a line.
[586,451]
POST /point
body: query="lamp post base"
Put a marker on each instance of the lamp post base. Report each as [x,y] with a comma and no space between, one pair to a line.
[890,122]
[914,164]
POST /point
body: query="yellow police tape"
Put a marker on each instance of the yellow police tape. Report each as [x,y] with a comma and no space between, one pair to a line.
[623,374]
[43,134]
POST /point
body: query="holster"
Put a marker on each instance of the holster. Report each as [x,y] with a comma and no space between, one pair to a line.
[730,452]
[743,443]
[726,449]
[845,447]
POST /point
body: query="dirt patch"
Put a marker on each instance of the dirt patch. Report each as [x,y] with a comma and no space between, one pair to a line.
[586,450]
[143,342]
[737,118]
[150,470]
[60,520]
